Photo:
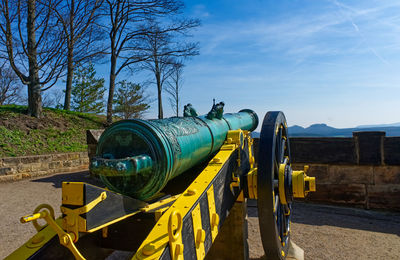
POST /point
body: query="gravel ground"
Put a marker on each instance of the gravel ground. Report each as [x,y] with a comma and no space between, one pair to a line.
[324,232]
[327,232]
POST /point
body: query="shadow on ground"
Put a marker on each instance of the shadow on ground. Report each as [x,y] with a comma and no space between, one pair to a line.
[324,215]
[58,179]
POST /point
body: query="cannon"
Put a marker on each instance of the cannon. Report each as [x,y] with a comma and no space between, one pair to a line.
[170,185]
[137,157]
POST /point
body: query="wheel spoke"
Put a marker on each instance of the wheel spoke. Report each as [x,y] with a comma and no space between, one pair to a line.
[282,151]
[276,204]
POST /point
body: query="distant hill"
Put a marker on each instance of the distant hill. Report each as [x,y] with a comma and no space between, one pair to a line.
[323,130]
[319,130]
[381,125]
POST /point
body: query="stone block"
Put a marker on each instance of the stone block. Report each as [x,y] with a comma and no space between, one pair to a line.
[30,159]
[26,175]
[85,161]
[83,167]
[320,172]
[73,156]
[36,166]
[55,165]
[384,196]
[74,163]
[66,163]
[24,168]
[10,178]
[346,174]
[44,166]
[386,175]
[7,171]
[16,177]
[83,155]
[369,145]
[46,158]
[349,194]
[93,135]
[64,169]
[6,178]
[299,166]
[324,150]
[40,173]
[11,161]
[392,150]
[60,157]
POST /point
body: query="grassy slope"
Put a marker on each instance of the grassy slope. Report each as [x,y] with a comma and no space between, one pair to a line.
[57,131]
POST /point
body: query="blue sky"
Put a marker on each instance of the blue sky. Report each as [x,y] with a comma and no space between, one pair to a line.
[334,62]
[318,61]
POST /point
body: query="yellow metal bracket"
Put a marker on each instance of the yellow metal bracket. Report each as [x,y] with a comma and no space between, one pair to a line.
[250,146]
[199,233]
[252,183]
[214,217]
[73,222]
[281,183]
[175,236]
[36,211]
[302,183]
[65,238]
[234,139]
[160,206]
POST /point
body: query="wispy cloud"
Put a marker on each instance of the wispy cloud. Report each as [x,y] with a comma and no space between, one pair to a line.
[355,26]
[200,11]
[334,32]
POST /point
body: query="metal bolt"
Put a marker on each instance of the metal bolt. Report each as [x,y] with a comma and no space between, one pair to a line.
[65,239]
[191,192]
[149,249]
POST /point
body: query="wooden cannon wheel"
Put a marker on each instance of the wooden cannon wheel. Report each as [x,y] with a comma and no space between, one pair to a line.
[274,215]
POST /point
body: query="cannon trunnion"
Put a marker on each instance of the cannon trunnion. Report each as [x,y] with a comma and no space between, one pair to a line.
[170,187]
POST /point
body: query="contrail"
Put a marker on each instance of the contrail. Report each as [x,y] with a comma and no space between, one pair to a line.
[356,28]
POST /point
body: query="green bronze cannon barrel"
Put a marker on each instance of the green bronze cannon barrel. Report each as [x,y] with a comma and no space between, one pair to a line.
[138,157]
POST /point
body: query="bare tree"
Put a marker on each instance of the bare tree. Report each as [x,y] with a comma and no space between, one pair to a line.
[163,44]
[174,86]
[10,87]
[79,19]
[33,44]
[126,19]
[52,98]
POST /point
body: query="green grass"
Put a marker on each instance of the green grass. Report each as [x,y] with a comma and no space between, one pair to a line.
[56,131]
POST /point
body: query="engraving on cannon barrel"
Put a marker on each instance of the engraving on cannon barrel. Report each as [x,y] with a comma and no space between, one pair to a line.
[175,127]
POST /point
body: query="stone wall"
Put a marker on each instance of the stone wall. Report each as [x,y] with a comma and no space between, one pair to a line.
[17,168]
[362,171]
[92,137]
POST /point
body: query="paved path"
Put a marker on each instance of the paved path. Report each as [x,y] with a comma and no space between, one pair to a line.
[323,232]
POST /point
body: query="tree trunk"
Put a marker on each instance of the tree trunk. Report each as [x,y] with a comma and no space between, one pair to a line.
[112,87]
[177,108]
[70,57]
[177,97]
[70,74]
[34,88]
[159,91]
